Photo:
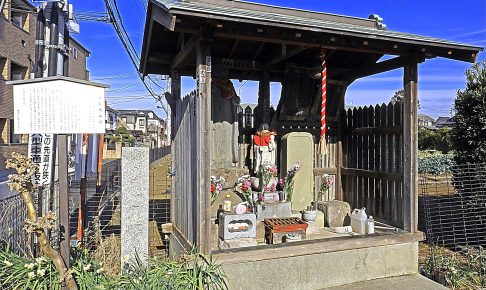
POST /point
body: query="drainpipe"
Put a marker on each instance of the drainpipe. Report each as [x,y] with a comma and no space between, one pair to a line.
[39,45]
[53,40]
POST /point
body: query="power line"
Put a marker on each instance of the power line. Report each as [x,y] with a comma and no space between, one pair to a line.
[114,77]
[117,22]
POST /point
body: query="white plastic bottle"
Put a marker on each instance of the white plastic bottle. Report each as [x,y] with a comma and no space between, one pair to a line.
[358,220]
[370,225]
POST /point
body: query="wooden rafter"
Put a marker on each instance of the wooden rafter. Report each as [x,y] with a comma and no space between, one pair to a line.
[259,50]
[283,57]
[233,48]
[183,55]
[379,67]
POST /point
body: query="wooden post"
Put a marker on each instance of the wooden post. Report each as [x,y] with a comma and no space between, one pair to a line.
[175,88]
[264,97]
[339,148]
[203,143]
[410,147]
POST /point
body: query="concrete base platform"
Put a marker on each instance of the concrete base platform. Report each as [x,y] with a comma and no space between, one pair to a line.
[310,271]
[407,282]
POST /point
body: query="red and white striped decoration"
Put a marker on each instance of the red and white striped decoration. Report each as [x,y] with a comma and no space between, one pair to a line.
[323,93]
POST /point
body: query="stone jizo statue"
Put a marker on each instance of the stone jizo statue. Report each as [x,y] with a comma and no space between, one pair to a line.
[265,147]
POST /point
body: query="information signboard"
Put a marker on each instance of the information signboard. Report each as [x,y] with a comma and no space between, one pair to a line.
[41,152]
[58,105]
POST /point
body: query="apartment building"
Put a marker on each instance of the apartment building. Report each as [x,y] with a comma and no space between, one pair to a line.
[18,22]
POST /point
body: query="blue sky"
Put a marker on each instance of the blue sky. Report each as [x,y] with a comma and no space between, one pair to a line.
[439,79]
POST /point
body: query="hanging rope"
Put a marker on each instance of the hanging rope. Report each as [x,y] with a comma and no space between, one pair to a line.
[322,142]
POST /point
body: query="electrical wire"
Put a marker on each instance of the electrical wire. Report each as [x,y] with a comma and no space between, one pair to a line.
[114,77]
[117,22]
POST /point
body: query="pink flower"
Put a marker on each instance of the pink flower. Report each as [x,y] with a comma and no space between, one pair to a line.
[282,182]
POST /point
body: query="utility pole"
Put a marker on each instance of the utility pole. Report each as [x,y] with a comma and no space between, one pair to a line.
[57,26]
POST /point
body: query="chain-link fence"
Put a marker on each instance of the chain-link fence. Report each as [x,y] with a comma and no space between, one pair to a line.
[453,208]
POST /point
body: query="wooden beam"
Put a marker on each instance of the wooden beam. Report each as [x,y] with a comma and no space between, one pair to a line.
[163,17]
[283,57]
[275,39]
[233,48]
[410,148]
[379,67]
[183,55]
[258,50]
[372,174]
[322,171]
[203,143]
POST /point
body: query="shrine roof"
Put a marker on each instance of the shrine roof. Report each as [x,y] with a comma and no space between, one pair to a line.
[170,12]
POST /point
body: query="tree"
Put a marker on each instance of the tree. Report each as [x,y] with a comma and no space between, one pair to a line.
[398,97]
[469,132]
[22,183]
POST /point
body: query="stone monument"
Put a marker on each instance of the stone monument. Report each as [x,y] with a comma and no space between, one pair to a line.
[224,116]
[264,148]
[299,147]
[134,204]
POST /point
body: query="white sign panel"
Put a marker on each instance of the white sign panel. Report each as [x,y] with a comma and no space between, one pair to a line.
[41,153]
[59,107]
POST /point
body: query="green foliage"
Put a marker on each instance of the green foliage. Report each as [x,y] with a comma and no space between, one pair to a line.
[121,130]
[460,270]
[196,271]
[114,138]
[18,272]
[435,163]
[440,139]
[469,134]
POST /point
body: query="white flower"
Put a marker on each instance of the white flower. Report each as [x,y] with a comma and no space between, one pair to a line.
[41,272]
[31,274]
[170,272]
[125,258]
[40,260]
[87,267]
[140,278]
[29,266]
[7,263]
[100,270]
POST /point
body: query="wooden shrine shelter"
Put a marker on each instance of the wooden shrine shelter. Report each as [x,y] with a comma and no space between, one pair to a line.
[374,149]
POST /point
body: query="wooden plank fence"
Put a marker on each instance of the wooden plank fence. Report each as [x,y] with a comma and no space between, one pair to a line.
[184,166]
[373,161]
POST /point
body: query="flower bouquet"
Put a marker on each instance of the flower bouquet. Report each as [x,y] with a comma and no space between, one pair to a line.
[243,186]
[288,183]
[326,183]
[217,184]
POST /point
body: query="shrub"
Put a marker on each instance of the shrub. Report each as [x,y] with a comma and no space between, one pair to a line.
[469,134]
[435,163]
[196,271]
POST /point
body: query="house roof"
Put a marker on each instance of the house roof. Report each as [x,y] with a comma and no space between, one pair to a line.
[169,12]
[425,117]
[137,113]
[444,121]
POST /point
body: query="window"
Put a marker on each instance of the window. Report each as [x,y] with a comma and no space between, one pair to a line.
[75,53]
[124,119]
[18,19]
[17,72]
[141,122]
[3,68]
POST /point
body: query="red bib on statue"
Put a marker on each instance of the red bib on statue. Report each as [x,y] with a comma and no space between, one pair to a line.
[261,140]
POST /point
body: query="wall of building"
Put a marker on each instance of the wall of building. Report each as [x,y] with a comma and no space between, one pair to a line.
[18,47]
[77,66]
